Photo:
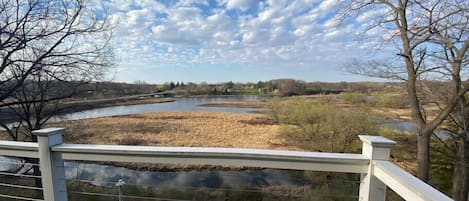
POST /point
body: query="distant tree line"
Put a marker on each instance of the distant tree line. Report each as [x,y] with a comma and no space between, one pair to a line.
[278,87]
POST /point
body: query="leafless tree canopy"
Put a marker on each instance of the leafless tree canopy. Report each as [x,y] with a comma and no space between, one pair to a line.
[62,39]
[436,36]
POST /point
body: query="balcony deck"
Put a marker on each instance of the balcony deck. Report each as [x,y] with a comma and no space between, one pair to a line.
[377,173]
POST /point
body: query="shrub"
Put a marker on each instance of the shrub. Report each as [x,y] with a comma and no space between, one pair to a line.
[392,100]
[274,108]
[326,99]
[322,127]
[353,97]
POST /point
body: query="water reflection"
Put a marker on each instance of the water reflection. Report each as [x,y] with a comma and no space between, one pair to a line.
[106,175]
[404,126]
[181,104]
[400,125]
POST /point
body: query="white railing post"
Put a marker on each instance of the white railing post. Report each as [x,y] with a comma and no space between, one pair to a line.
[51,164]
[374,148]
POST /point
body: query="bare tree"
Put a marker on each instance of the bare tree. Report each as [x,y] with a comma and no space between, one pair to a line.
[451,147]
[60,36]
[458,150]
[431,40]
[288,87]
[37,100]
[47,50]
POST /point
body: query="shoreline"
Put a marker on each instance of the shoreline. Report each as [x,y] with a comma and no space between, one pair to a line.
[238,104]
[78,106]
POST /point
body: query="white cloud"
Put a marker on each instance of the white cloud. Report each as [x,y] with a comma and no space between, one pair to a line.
[327,5]
[192,2]
[271,32]
[186,26]
[240,4]
[370,14]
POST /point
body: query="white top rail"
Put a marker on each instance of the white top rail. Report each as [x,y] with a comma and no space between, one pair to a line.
[406,185]
[337,162]
[19,149]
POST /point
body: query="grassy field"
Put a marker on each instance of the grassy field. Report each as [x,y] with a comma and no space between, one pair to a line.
[213,129]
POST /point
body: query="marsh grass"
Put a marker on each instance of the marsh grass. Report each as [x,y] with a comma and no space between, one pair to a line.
[201,129]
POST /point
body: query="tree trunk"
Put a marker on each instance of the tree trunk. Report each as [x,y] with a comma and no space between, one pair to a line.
[36,170]
[460,176]
[35,162]
[423,155]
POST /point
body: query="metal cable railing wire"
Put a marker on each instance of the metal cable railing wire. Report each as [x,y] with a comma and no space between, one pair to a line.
[20,186]
[172,199]
[267,192]
[18,177]
[125,196]
[78,169]
[19,198]
[252,190]
[18,163]
[240,190]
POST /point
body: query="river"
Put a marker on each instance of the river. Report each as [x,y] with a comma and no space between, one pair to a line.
[181,104]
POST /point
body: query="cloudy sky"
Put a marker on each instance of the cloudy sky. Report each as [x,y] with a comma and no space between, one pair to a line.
[238,40]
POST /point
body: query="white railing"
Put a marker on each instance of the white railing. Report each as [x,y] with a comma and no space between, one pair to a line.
[377,173]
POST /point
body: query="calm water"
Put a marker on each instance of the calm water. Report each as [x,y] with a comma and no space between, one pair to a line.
[181,104]
[409,127]
[106,175]
[231,182]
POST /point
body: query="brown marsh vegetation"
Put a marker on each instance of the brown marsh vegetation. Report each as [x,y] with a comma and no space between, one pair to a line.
[195,129]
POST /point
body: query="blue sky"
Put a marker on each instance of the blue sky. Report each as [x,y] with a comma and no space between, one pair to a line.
[238,40]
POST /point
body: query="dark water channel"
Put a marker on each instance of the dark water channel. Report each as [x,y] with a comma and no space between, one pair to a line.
[107,175]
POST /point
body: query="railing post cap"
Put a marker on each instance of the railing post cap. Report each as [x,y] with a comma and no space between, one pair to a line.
[47,132]
[377,141]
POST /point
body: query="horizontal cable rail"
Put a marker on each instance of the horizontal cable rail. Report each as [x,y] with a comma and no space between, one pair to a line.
[179,188]
[125,196]
[204,187]
[406,185]
[19,198]
[23,167]
[19,175]
[18,163]
[295,160]
[20,186]
[170,199]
